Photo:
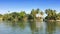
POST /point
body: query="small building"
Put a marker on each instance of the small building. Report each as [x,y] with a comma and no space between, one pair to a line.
[39,17]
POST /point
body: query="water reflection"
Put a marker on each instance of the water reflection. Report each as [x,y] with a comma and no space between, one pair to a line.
[29,27]
[58,28]
[50,27]
[20,24]
[58,24]
[36,27]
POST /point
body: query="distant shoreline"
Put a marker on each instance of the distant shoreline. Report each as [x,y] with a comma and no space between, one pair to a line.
[51,20]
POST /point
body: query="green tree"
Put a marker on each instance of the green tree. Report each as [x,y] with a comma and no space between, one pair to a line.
[51,14]
[58,16]
[1,15]
[22,15]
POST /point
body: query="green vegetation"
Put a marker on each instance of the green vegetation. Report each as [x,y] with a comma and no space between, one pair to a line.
[17,16]
[34,12]
[58,16]
[52,15]
[14,16]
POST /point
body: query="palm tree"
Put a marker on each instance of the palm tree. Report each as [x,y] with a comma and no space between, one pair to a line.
[50,13]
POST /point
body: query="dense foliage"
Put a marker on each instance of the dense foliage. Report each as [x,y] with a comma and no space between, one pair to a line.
[16,16]
[52,15]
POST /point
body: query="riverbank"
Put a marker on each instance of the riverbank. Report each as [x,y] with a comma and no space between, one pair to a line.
[51,20]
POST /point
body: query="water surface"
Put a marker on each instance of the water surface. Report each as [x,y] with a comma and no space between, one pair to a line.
[29,27]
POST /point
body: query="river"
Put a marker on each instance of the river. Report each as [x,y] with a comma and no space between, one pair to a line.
[29,27]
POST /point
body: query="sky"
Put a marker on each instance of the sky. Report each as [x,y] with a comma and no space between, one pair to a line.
[28,5]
